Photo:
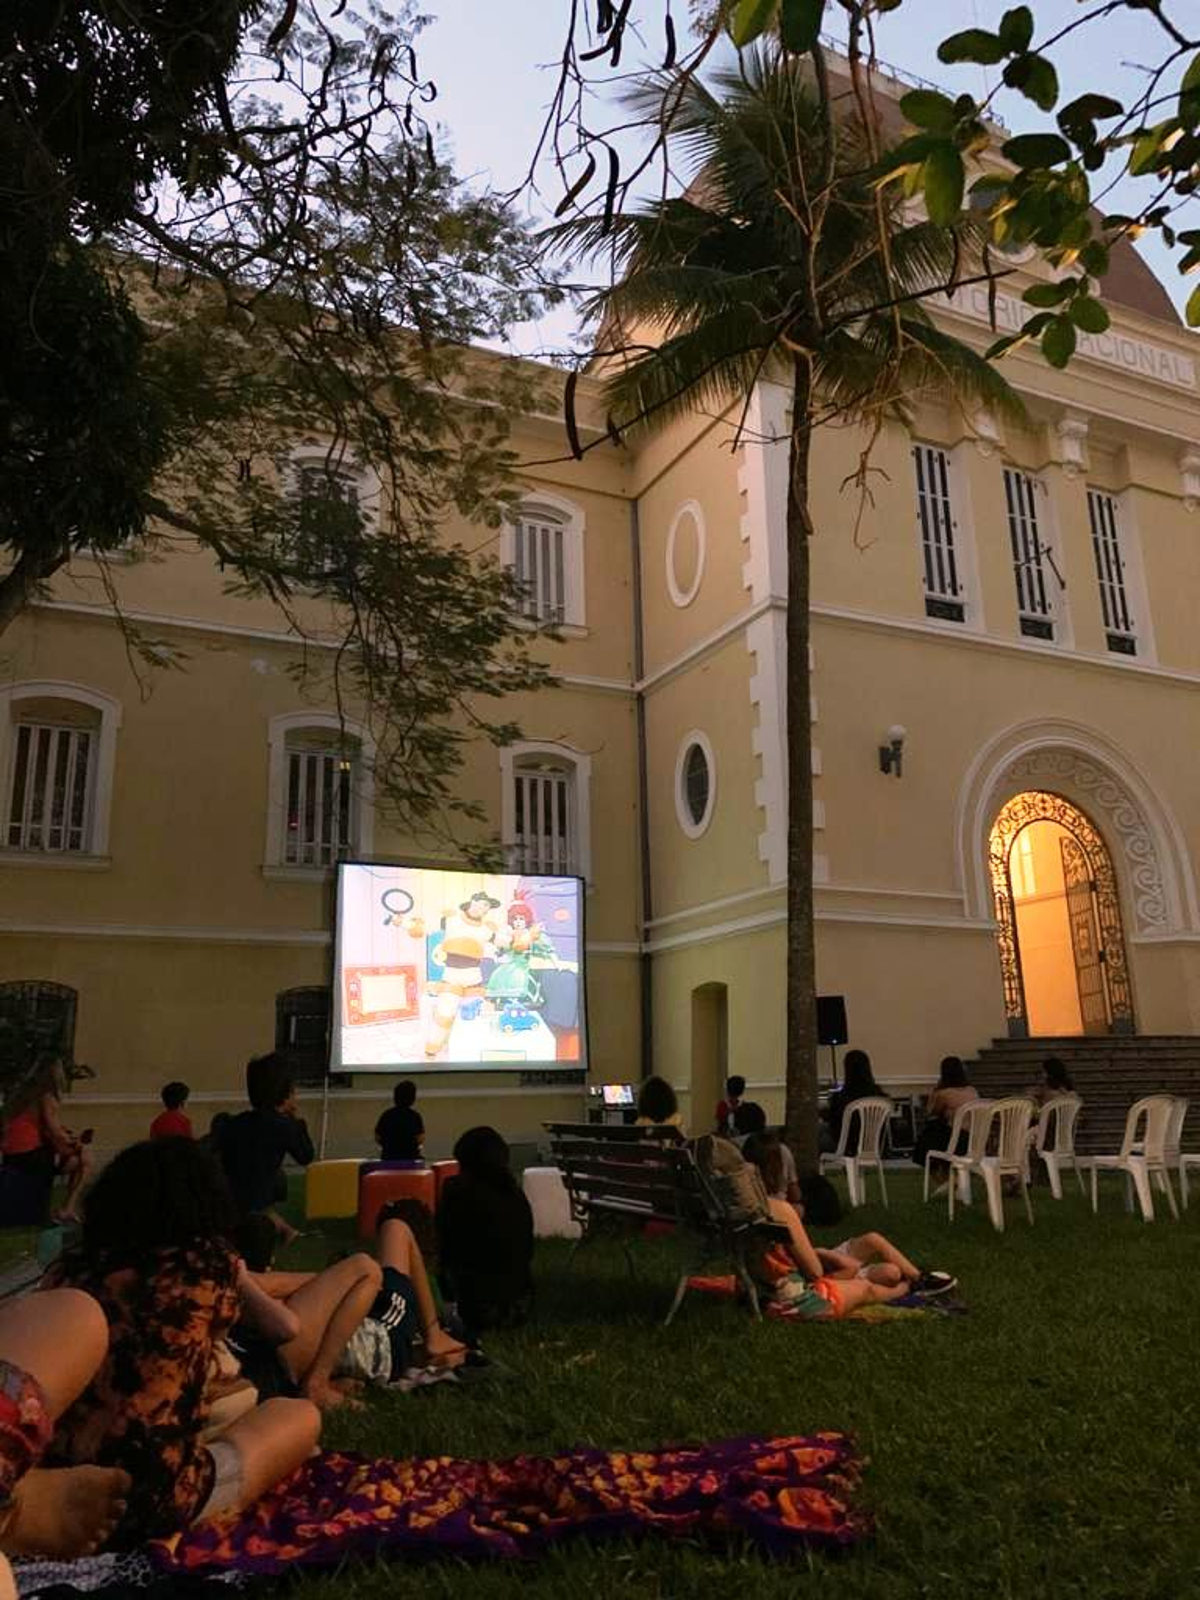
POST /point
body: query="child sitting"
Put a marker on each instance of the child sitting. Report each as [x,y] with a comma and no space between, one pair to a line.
[253,1145]
[485,1236]
[172,1122]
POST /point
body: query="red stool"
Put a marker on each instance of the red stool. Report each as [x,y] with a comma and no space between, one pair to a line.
[386,1184]
[441,1171]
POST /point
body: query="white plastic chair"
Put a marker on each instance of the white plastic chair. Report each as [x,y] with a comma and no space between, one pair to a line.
[872,1116]
[1142,1156]
[1009,1120]
[1172,1153]
[1058,1117]
[1185,1165]
[974,1119]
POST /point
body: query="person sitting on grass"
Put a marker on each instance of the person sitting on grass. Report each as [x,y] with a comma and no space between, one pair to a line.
[253,1145]
[156,1255]
[485,1237]
[735,1088]
[51,1347]
[400,1132]
[657,1105]
[172,1122]
[360,1319]
[35,1143]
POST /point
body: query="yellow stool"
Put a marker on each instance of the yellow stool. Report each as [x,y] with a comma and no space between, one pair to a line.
[331,1189]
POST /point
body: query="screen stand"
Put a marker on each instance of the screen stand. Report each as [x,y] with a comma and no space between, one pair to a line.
[324,1139]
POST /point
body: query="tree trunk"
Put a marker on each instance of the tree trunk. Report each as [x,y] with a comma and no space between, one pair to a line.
[19,586]
[801,1115]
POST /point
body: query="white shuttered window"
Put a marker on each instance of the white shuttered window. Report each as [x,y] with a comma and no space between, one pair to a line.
[543,821]
[935,512]
[1034,602]
[1110,573]
[319,828]
[49,801]
[540,566]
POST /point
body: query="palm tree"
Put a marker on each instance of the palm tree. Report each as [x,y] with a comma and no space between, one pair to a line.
[783,258]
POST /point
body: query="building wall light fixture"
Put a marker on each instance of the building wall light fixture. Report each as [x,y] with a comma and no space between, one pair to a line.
[891,754]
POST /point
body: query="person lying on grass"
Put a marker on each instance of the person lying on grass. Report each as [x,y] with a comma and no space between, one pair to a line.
[360,1319]
[815,1284]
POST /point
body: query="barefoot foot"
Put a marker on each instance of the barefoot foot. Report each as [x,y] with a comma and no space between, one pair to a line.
[442,1349]
[329,1396]
[66,1512]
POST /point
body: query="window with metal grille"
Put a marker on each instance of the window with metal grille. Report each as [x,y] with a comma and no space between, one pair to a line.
[1030,557]
[302,1031]
[943,583]
[37,1017]
[329,515]
[320,804]
[543,820]
[1110,573]
[539,566]
[696,784]
[50,792]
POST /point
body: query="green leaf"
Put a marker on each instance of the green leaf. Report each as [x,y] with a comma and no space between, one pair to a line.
[974,44]
[1048,294]
[1036,78]
[907,154]
[1148,154]
[800,24]
[1016,29]
[1088,314]
[1036,150]
[1193,308]
[945,179]
[750,19]
[1091,108]
[925,108]
[1058,341]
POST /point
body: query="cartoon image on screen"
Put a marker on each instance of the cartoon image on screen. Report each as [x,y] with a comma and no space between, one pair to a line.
[457,969]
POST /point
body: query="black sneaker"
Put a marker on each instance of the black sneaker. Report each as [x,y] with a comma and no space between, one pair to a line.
[932,1284]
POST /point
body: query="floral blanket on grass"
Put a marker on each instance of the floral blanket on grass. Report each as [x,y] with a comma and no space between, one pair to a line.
[784,1494]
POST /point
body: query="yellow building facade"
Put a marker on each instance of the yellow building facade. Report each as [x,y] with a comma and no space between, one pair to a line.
[1011,614]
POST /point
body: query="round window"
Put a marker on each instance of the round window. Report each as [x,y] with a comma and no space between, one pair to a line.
[695,785]
[685,554]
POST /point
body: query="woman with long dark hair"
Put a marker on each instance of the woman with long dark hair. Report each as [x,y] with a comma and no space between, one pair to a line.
[485,1236]
[858,1083]
[156,1254]
[952,1090]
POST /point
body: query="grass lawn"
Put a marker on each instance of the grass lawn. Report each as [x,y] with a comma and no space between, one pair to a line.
[1043,1445]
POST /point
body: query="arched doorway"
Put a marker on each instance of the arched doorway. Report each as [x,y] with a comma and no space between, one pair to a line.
[1060,935]
[710,1052]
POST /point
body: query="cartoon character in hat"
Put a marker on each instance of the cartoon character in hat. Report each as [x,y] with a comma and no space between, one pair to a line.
[469,938]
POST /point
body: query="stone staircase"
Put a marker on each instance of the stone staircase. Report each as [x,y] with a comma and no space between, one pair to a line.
[1109,1074]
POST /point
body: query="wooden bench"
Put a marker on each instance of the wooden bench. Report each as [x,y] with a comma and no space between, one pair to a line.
[620,1178]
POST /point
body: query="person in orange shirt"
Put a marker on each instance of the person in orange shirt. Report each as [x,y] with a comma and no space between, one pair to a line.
[172,1122]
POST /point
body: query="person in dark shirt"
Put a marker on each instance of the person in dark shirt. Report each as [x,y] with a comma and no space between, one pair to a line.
[858,1083]
[252,1147]
[400,1132]
[485,1237]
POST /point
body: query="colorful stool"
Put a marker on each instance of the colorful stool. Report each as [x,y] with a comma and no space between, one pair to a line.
[377,1189]
[331,1189]
[441,1171]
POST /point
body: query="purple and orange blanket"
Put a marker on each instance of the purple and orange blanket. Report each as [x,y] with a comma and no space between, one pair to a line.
[783,1494]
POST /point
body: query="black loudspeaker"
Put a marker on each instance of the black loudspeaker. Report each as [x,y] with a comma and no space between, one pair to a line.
[831,1019]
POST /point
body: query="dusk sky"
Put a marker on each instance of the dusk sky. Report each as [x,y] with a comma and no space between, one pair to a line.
[490,65]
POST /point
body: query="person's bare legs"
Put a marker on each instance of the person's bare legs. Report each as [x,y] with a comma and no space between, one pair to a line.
[61,1339]
[271,1441]
[330,1307]
[885,1263]
[76,1172]
[399,1249]
[862,1292]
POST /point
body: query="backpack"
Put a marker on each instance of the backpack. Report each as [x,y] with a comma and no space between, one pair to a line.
[736,1183]
[822,1208]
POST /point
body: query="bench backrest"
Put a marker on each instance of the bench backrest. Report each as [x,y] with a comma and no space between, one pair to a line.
[632,1171]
